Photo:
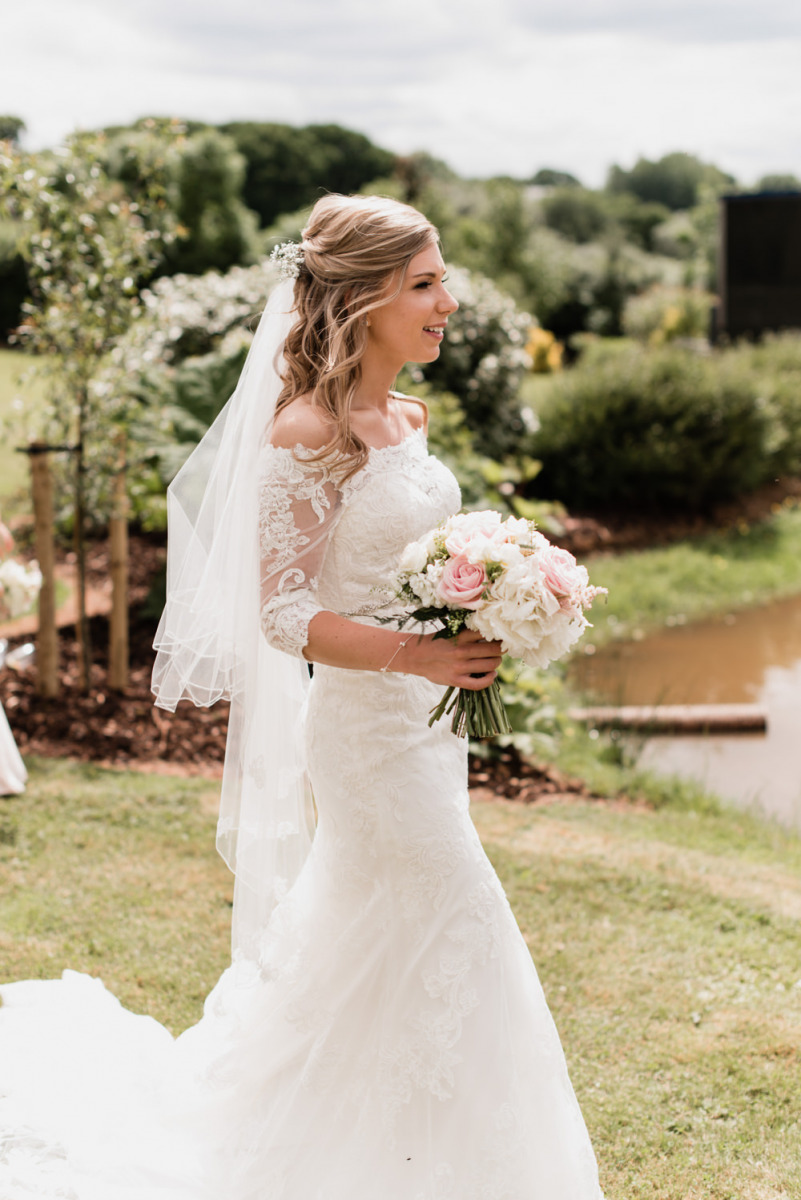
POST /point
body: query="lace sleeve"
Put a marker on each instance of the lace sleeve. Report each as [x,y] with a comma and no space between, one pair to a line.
[298,509]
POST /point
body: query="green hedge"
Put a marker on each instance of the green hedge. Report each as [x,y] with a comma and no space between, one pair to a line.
[655,428]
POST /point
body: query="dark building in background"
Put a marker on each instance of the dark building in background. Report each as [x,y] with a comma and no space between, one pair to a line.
[759,273]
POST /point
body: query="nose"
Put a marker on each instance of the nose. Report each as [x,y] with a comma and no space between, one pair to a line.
[448,303]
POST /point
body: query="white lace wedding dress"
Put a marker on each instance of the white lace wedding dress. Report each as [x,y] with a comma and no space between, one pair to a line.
[394,1042]
[12,769]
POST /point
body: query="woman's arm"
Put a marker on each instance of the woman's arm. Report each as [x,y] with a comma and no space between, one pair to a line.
[466,661]
[299,507]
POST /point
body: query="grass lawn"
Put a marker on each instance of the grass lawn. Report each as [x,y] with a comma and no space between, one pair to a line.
[668,943]
[736,568]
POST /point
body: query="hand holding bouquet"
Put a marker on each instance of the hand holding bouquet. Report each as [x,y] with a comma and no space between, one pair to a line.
[504,580]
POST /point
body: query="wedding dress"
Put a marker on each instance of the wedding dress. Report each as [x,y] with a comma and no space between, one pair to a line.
[391,1040]
[12,769]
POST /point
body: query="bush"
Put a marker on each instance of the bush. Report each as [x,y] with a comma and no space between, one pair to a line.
[14,286]
[220,232]
[775,366]
[177,407]
[663,314]
[182,358]
[189,315]
[578,214]
[657,429]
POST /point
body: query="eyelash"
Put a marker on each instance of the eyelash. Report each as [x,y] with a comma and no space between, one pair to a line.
[427,283]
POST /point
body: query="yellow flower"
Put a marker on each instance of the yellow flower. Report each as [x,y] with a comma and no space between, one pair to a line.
[544,350]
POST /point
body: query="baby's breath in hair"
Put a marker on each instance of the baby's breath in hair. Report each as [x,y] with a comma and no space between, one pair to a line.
[288,257]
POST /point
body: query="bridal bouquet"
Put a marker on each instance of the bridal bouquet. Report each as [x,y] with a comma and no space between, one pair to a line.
[506,581]
[19,585]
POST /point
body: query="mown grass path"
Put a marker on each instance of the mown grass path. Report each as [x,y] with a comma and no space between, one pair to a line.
[668,943]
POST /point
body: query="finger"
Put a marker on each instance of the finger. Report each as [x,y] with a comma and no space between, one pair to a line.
[476,683]
[469,636]
[483,650]
[482,662]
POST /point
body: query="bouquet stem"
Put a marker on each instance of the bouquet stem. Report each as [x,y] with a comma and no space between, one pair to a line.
[475,714]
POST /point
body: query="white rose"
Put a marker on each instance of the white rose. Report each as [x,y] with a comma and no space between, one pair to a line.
[414,558]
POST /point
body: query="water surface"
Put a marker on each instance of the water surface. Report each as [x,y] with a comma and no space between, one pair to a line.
[751,657]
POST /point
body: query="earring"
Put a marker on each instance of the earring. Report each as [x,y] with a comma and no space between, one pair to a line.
[367,322]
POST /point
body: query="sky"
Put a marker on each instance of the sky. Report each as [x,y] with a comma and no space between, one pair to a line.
[490,86]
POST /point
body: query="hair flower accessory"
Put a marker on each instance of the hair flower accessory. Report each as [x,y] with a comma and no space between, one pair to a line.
[288,257]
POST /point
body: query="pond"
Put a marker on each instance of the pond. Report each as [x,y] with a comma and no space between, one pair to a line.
[750,657]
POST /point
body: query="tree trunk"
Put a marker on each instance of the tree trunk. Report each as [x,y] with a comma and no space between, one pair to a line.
[82,622]
[47,683]
[118,549]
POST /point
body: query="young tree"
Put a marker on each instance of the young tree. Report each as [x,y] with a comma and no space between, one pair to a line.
[87,244]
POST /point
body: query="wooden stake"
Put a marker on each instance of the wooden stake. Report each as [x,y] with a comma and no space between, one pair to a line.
[47,683]
[118,550]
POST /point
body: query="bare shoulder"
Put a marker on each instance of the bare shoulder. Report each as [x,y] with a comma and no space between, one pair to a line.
[415,411]
[300,424]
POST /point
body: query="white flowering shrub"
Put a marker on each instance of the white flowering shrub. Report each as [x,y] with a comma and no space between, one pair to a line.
[180,359]
[187,315]
[483,360]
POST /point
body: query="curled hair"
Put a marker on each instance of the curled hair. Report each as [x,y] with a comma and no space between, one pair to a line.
[353,249]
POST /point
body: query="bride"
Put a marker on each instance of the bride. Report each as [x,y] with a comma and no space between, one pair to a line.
[381,1033]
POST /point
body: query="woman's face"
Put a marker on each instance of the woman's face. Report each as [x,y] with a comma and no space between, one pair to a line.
[410,328]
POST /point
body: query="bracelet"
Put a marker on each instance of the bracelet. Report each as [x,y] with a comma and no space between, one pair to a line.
[398,649]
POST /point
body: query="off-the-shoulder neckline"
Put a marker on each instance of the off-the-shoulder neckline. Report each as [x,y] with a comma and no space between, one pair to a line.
[419,432]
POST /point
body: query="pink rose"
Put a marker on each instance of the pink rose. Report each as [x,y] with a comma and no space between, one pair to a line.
[563,576]
[462,583]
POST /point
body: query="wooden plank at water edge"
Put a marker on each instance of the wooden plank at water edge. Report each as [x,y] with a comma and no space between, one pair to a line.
[677,718]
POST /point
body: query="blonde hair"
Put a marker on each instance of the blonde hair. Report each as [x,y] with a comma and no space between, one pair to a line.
[353,246]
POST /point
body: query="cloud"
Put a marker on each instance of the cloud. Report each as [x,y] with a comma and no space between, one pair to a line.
[707,21]
[492,89]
